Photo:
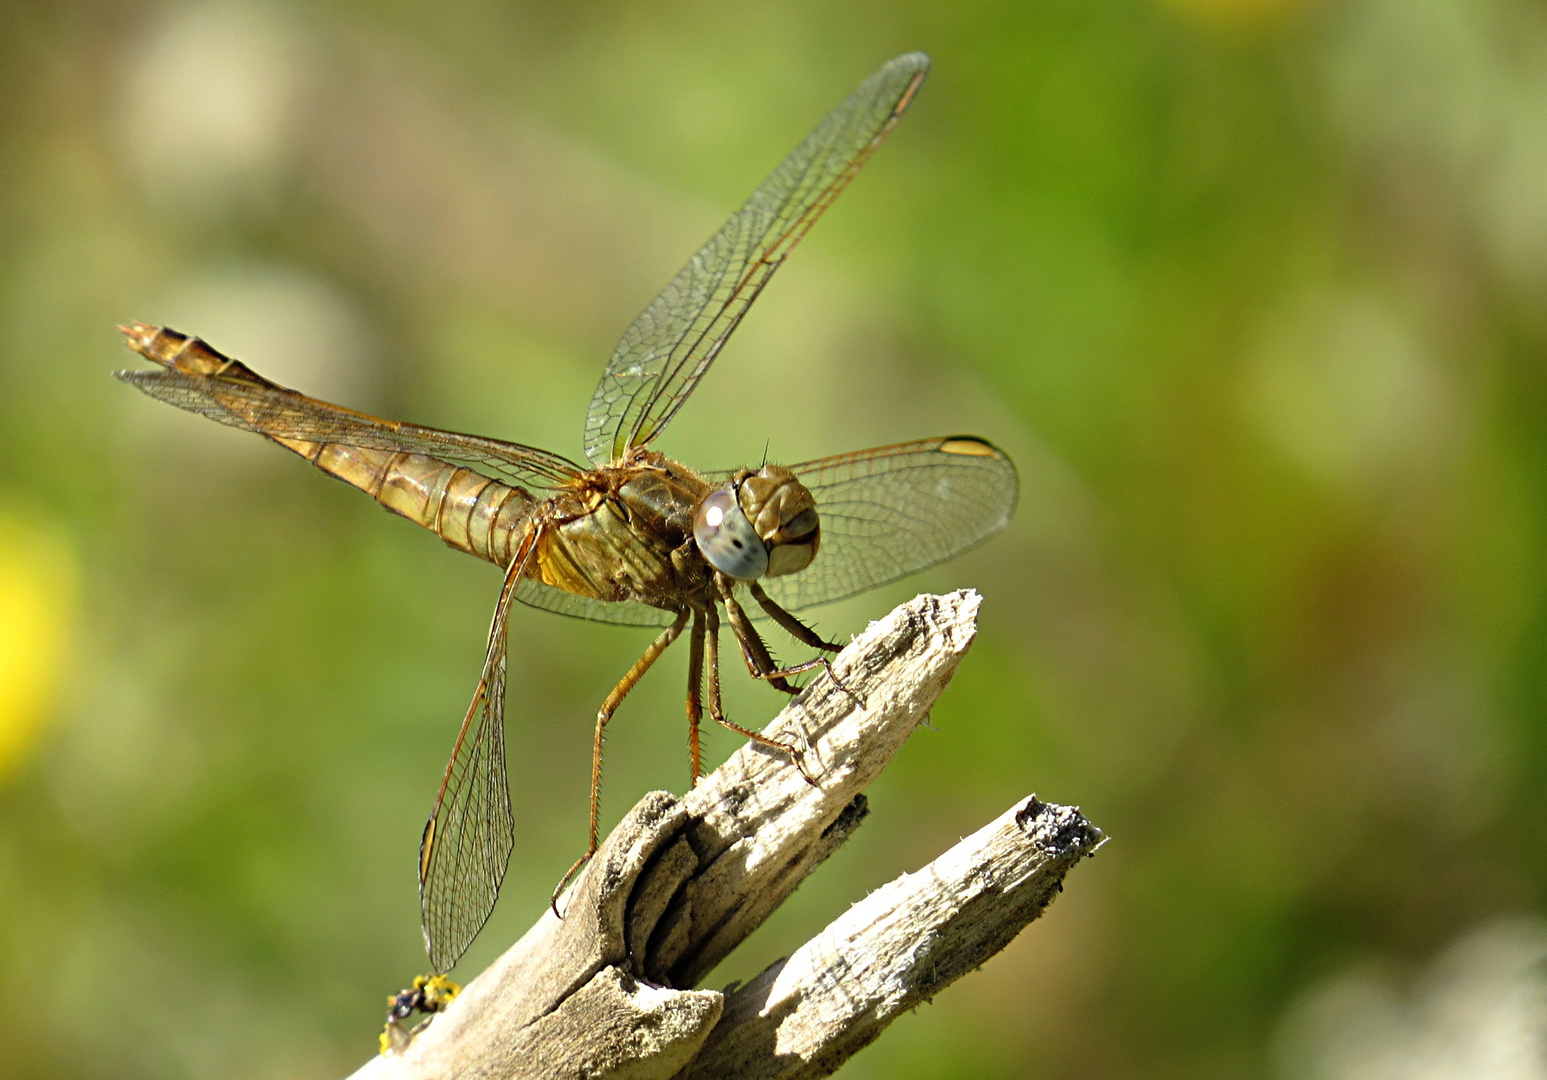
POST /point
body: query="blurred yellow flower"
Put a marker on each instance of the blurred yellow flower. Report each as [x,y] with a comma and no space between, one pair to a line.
[37,599]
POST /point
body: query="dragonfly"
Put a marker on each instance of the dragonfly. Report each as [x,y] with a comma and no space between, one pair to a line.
[632,536]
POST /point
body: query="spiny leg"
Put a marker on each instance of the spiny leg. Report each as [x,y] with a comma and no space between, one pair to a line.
[760,662]
[802,633]
[753,649]
[792,626]
[717,713]
[712,633]
[604,714]
[695,693]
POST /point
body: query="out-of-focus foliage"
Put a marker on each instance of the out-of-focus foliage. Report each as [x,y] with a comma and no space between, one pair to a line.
[1255,291]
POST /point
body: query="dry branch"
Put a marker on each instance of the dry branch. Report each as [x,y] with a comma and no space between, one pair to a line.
[606,991]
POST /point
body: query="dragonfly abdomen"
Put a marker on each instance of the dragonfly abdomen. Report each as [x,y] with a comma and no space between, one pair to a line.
[468,510]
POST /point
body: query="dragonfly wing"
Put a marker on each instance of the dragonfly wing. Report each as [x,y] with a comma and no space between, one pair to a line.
[895,510]
[237,396]
[661,357]
[536,594]
[467,841]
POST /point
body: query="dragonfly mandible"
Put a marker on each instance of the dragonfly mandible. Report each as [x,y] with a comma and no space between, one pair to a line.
[633,537]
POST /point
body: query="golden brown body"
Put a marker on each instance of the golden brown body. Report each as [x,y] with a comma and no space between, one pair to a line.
[625,533]
[613,533]
[471,512]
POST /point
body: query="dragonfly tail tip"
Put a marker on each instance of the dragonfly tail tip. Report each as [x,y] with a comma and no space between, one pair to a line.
[140,335]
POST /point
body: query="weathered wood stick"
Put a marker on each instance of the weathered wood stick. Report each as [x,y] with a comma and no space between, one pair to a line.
[809,1013]
[606,991]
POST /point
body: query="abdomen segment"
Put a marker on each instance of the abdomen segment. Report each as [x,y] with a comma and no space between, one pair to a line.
[470,511]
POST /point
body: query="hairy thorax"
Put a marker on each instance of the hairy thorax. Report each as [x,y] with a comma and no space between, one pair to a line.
[625,532]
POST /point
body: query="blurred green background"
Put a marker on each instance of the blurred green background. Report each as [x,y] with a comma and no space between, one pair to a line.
[1254,291]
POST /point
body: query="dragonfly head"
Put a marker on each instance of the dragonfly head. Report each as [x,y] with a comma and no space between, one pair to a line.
[761,524]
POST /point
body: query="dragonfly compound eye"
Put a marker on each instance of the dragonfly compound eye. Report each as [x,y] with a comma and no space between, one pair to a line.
[783,513]
[727,538]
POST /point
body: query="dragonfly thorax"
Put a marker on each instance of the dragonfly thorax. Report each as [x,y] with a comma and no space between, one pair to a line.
[761,524]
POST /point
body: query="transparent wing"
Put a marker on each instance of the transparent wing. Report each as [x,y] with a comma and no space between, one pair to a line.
[245,400]
[467,841]
[535,594]
[273,410]
[661,357]
[892,511]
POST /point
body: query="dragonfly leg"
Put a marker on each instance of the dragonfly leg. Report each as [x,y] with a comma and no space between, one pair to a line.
[792,625]
[755,651]
[695,693]
[804,634]
[712,636]
[718,715]
[604,714]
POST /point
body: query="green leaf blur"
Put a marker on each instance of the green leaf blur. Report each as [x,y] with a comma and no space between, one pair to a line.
[1253,291]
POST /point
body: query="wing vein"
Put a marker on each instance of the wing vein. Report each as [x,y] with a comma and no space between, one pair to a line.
[669,347]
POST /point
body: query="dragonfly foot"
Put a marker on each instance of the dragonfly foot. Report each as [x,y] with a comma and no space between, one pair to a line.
[798,756]
[827,666]
[569,875]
